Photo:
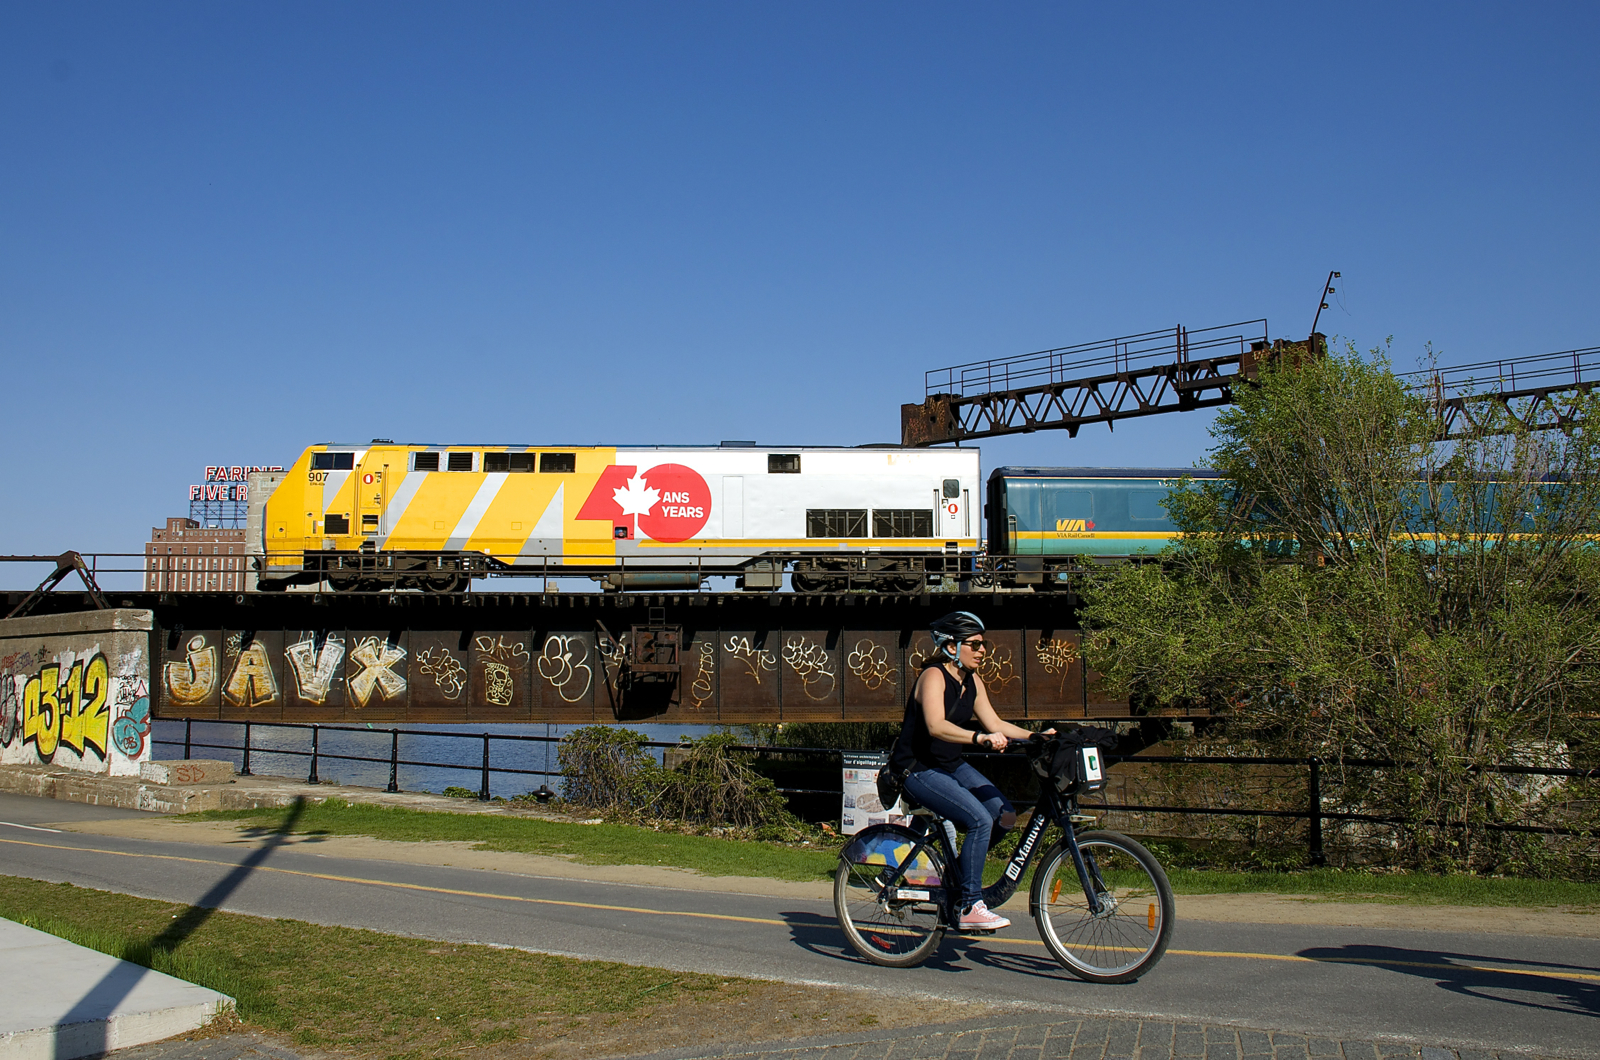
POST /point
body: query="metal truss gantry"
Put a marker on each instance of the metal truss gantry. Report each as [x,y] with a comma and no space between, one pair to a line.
[1174,370]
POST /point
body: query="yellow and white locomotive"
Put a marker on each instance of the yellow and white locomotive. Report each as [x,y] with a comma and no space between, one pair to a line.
[432,517]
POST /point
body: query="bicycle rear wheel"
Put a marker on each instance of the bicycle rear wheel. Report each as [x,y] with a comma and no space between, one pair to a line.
[897,927]
[1130,933]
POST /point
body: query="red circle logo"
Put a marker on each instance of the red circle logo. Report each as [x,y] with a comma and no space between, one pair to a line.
[682,504]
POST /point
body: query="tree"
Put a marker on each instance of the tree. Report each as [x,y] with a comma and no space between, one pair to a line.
[1353,587]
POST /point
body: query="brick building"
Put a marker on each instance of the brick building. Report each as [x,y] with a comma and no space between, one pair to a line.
[188,557]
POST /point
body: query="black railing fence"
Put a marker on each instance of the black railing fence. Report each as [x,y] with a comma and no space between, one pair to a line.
[490,746]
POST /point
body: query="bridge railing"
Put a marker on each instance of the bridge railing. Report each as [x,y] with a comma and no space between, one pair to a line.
[1318,810]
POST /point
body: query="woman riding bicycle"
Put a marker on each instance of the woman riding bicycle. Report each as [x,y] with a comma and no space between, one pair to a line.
[947,715]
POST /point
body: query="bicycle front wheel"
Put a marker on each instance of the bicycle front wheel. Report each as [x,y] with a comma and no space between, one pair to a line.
[895,926]
[1129,934]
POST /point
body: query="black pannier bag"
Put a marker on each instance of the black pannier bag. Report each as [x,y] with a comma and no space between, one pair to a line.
[1072,760]
[891,782]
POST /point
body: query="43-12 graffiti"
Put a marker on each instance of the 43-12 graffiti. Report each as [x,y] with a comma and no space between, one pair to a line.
[68,709]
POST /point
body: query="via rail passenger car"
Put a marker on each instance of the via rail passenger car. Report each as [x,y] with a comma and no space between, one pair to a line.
[1040,517]
[432,517]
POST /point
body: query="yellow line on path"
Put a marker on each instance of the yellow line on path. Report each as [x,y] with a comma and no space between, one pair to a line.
[1239,955]
[405,886]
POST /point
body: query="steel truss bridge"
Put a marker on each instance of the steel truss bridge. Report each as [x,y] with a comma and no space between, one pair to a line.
[1179,370]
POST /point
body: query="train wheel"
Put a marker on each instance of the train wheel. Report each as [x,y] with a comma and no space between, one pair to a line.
[444,582]
[807,582]
[344,583]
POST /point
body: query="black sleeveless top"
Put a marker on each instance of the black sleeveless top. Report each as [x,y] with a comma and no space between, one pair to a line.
[917,749]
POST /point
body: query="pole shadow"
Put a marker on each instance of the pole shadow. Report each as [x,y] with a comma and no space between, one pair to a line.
[1541,983]
[102,999]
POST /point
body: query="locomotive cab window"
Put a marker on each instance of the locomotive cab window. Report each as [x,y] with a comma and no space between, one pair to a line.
[836,522]
[952,488]
[783,463]
[902,522]
[333,461]
[458,462]
[424,461]
[558,463]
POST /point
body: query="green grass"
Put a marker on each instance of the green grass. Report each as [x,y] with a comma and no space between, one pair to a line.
[359,992]
[593,844]
[621,844]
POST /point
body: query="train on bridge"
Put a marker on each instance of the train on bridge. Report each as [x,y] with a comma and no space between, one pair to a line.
[383,516]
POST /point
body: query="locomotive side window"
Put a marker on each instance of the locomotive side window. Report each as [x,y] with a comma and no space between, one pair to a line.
[952,488]
[902,522]
[508,461]
[333,461]
[559,463]
[783,463]
[336,524]
[458,462]
[425,461]
[836,522]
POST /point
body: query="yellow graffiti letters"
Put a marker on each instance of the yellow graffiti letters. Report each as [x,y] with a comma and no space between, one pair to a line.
[251,683]
[376,656]
[191,682]
[69,714]
[41,711]
[316,664]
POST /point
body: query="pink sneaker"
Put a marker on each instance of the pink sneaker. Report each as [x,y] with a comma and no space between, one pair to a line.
[978,918]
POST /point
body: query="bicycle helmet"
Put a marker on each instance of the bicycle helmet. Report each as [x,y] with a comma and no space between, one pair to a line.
[949,631]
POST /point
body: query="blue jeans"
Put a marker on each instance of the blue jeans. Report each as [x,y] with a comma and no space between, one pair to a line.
[966,797]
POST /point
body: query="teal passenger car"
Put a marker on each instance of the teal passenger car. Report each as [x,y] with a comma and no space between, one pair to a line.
[1077,511]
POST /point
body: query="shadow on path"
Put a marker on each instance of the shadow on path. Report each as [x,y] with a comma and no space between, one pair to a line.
[103,998]
[1527,983]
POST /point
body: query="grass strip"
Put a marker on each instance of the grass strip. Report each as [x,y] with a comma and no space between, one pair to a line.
[353,991]
[624,844]
[588,844]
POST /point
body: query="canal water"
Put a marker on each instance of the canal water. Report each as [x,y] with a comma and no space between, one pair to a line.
[458,750]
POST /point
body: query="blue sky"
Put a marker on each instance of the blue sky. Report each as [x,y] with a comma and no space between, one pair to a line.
[227,231]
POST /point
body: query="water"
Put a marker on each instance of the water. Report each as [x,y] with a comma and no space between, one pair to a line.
[287,753]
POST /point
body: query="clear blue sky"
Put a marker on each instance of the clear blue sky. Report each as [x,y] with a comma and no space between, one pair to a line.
[229,230]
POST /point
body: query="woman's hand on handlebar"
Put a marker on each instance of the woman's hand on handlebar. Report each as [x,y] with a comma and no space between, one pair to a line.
[992,741]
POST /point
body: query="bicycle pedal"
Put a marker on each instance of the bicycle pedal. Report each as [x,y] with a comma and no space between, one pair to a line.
[975,931]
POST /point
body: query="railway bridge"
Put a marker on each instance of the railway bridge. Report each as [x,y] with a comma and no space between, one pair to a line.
[81,663]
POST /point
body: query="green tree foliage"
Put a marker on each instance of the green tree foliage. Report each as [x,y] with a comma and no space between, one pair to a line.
[1353,587]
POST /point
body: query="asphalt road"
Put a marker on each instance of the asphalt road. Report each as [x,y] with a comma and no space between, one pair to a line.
[1499,992]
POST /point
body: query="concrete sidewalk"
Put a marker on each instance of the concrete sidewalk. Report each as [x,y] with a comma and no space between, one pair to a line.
[59,1001]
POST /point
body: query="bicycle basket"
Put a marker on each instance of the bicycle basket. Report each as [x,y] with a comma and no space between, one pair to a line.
[1071,761]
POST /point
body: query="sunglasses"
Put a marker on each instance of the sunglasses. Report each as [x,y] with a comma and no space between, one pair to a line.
[977,645]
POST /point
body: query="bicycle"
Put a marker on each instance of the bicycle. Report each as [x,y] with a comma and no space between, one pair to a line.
[1111,926]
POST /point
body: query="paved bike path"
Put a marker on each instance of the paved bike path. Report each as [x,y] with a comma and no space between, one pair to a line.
[1500,992]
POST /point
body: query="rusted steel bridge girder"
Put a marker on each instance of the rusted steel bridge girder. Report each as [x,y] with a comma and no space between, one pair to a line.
[1536,393]
[689,658]
[1175,370]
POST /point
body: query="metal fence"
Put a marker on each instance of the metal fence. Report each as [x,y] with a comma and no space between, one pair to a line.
[1313,811]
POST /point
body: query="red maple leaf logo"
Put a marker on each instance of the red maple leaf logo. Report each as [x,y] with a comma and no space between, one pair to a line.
[1089,524]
